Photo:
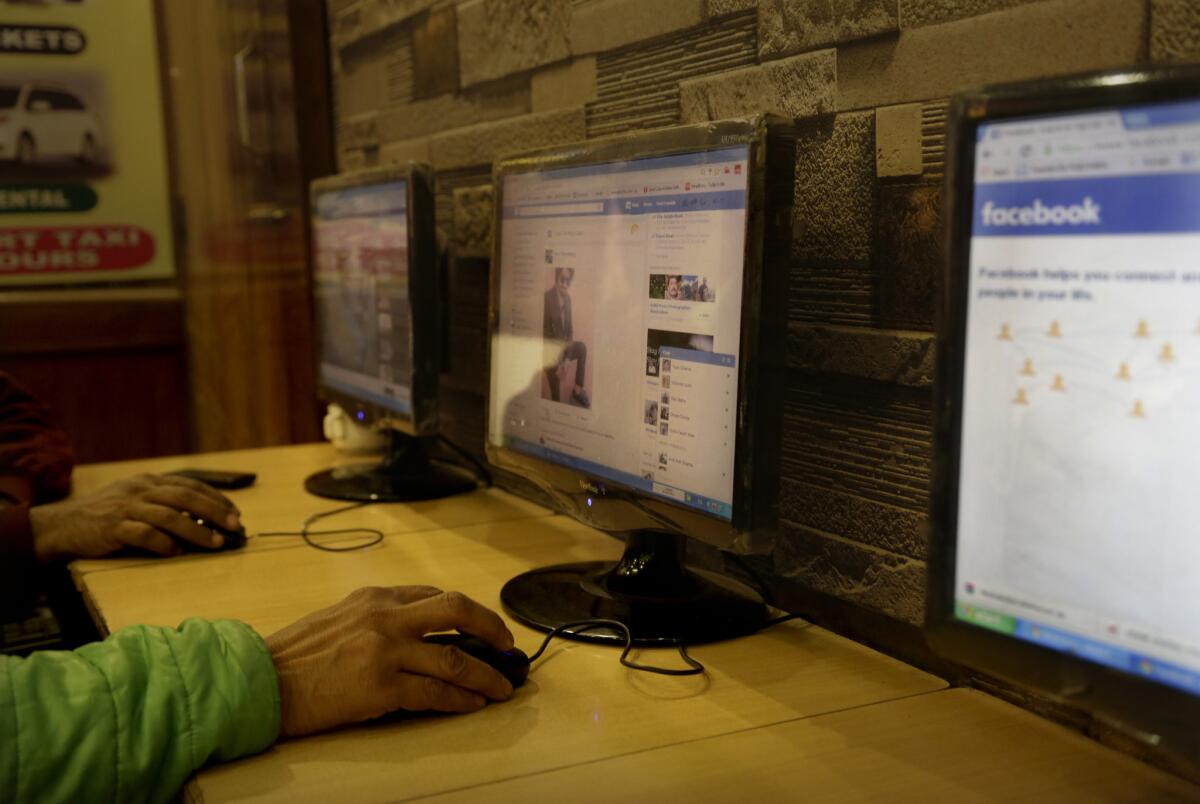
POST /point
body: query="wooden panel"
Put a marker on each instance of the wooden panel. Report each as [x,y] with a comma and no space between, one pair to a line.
[34,322]
[110,364]
[312,90]
[114,405]
[246,278]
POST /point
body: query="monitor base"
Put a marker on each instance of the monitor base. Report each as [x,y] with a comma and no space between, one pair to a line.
[648,589]
[406,474]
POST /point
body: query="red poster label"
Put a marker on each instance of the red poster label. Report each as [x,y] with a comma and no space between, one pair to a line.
[66,249]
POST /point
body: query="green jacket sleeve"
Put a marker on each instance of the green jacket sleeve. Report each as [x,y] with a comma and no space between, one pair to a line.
[129,718]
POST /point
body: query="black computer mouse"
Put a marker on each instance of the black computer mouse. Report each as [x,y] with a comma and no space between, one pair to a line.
[512,664]
[234,539]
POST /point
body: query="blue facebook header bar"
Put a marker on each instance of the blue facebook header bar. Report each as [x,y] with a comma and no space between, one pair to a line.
[714,157]
[366,201]
[1155,204]
[635,205]
[1161,114]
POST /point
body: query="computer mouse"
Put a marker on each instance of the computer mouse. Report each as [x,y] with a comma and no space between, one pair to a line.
[512,664]
[234,539]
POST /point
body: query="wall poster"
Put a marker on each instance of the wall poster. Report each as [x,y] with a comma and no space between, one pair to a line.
[84,193]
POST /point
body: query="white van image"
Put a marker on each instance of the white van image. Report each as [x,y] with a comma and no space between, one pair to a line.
[41,121]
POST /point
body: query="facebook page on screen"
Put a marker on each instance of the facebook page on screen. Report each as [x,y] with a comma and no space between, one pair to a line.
[619,321]
[360,292]
[1079,519]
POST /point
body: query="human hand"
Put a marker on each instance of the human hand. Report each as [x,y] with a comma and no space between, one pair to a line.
[143,511]
[365,657]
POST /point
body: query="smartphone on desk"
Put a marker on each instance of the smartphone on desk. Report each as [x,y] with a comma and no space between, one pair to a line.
[224,480]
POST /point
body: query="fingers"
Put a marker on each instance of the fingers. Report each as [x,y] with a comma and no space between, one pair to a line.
[194,485]
[451,611]
[412,594]
[146,537]
[457,668]
[374,636]
[186,501]
[172,521]
[386,597]
[181,498]
[425,693]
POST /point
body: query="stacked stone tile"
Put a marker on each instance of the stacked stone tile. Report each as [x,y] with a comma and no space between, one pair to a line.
[867,82]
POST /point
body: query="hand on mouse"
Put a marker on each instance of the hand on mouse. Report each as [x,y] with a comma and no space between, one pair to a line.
[364,657]
[143,511]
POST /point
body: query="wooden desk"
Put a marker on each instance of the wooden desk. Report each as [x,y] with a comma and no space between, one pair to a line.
[579,706]
[277,500]
[955,745]
[794,713]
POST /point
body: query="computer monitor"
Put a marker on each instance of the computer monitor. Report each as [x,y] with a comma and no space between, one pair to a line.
[637,341]
[1065,553]
[378,298]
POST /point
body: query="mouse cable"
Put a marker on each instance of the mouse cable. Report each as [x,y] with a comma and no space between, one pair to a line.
[777,620]
[481,471]
[376,535]
[304,532]
[694,667]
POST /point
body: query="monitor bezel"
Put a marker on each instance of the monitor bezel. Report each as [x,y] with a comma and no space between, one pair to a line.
[609,505]
[1154,713]
[423,283]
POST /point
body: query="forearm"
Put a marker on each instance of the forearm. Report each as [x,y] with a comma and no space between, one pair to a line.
[130,718]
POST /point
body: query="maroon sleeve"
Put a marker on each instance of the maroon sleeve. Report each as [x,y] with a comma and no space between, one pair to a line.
[19,569]
[35,455]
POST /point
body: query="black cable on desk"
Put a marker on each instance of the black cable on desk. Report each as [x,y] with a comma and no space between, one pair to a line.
[376,535]
[481,469]
[306,534]
[694,667]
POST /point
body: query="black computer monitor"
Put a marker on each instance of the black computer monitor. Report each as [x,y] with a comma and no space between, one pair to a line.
[378,298]
[1066,523]
[637,344]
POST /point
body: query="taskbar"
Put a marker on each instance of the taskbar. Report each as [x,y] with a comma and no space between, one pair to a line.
[1092,650]
[717,508]
[401,405]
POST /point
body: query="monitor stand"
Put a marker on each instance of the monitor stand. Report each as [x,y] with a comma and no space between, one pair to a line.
[648,589]
[406,474]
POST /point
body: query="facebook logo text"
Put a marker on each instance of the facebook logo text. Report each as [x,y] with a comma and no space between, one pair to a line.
[1038,214]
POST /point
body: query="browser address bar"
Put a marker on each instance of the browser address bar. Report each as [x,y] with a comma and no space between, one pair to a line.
[562,209]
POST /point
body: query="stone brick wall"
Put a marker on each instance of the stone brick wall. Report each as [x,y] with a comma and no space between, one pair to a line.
[459,83]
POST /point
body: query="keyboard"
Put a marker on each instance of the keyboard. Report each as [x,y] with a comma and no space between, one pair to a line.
[39,631]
